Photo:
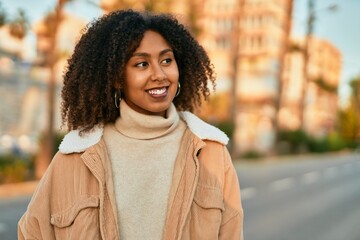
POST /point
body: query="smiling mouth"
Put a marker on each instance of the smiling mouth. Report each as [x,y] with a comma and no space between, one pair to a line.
[157,91]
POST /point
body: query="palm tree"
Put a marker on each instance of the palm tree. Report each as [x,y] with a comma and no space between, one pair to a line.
[3,16]
[235,59]
[306,53]
[285,47]
[53,21]
[19,26]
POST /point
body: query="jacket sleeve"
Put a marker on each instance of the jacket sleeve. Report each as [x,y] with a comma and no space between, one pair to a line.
[232,219]
[35,223]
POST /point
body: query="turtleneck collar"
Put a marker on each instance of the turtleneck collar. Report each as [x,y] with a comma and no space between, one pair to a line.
[141,126]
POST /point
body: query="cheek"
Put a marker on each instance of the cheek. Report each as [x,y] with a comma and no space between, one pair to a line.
[134,81]
[174,74]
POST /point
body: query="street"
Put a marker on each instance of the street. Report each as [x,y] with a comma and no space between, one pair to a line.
[306,197]
[10,212]
[310,198]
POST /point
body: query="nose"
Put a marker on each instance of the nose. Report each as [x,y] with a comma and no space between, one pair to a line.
[158,73]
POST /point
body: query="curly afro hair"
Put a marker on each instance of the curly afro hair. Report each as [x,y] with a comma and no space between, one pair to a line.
[98,65]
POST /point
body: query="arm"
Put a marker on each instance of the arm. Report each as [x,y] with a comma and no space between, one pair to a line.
[232,220]
[35,223]
[65,203]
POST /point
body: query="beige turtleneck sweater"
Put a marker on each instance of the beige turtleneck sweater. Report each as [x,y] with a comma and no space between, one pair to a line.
[142,150]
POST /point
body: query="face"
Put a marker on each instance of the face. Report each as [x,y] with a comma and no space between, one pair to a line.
[151,76]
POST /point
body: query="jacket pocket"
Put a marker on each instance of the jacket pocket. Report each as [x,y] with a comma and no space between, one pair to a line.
[209,197]
[79,220]
[206,212]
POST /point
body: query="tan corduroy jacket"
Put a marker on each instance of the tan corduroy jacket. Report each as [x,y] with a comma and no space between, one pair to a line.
[75,198]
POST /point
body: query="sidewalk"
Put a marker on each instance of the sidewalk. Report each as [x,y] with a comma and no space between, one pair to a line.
[297,157]
[17,189]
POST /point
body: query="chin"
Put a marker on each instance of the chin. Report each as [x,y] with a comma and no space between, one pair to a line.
[159,110]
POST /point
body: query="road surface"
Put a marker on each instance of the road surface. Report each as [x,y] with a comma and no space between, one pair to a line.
[11,209]
[307,198]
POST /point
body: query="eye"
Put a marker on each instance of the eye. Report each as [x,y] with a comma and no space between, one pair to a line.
[141,64]
[166,61]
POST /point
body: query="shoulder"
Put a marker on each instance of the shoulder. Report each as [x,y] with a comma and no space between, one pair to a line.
[63,166]
[204,130]
[74,142]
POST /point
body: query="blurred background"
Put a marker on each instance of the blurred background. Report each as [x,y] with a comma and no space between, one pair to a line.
[287,95]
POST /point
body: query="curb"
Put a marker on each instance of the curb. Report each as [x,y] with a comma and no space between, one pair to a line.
[18,189]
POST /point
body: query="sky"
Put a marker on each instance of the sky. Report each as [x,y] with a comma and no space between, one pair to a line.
[340,27]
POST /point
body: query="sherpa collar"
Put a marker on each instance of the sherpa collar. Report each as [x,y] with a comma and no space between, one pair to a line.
[74,143]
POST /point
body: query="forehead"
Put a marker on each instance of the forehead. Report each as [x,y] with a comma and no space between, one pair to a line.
[152,42]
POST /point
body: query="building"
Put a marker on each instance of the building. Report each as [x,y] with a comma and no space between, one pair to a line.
[254,48]
[245,40]
[320,109]
[68,33]
[10,45]
[22,108]
[23,86]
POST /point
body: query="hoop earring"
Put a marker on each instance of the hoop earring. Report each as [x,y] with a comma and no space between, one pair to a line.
[117,99]
[178,90]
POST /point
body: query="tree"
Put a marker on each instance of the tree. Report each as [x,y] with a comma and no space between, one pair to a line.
[355,91]
[3,16]
[53,21]
[284,50]
[306,53]
[235,60]
[311,18]
[349,118]
[19,26]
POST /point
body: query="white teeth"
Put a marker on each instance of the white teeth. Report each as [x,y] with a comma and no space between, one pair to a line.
[157,91]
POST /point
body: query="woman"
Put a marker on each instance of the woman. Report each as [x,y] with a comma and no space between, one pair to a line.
[137,164]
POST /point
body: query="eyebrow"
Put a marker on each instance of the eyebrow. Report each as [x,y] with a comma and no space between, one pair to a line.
[141,54]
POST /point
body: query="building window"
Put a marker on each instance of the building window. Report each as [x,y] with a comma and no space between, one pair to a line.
[223,43]
[223,25]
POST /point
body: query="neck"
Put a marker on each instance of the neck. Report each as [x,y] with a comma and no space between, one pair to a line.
[141,126]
